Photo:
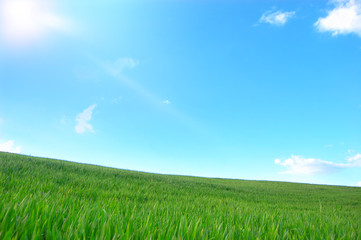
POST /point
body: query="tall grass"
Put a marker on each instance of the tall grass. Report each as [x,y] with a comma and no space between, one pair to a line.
[44,198]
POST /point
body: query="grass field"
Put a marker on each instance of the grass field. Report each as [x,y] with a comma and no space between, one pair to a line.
[52,199]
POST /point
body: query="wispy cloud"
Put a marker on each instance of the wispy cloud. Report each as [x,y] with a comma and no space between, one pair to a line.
[116,100]
[64,120]
[355,160]
[299,165]
[118,66]
[83,119]
[9,146]
[116,69]
[278,18]
[345,18]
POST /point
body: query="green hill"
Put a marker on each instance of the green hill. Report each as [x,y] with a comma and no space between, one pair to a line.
[53,199]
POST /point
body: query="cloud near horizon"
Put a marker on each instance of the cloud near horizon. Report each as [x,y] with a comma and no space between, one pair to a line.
[299,165]
[82,120]
[344,19]
[278,18]
[9,146]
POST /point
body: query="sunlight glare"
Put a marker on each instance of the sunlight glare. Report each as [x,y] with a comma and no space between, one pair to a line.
[24,21]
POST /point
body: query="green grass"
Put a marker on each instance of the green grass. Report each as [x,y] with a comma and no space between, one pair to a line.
[45,198]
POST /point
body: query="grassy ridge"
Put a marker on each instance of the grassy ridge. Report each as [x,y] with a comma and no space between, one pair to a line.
[45,198]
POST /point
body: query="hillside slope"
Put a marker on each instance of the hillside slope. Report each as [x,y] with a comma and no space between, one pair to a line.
[46,198]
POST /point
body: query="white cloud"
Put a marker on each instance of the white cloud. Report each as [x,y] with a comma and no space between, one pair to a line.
[355,160]
[277,161]
[82,120]
[277,18]
[166,102]
[345,18]
[359,184]
[9,146]
[117,67]
[309,166]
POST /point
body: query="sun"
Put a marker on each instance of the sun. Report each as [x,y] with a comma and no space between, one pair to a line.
[24,21]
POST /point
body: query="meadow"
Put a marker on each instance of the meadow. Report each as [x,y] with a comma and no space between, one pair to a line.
[52,199]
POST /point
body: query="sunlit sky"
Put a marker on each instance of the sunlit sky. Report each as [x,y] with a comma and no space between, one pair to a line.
[264,90]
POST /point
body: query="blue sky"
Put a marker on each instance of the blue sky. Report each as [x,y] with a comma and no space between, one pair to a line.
[264,90]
